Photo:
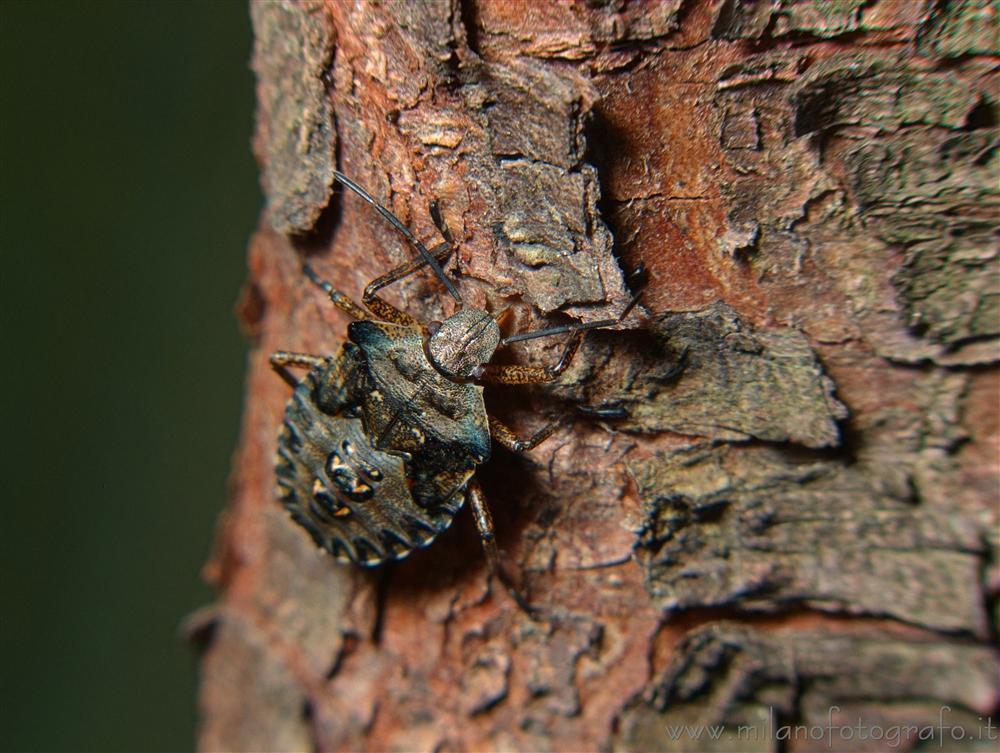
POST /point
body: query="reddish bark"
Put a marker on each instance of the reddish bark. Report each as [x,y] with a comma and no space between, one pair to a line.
[790,502]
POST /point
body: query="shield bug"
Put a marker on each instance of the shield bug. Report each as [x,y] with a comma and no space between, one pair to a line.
[380,442]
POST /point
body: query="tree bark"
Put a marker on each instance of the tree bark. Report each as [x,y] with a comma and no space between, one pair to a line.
[779,505]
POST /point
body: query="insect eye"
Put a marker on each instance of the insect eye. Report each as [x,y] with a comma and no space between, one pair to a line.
[433,327]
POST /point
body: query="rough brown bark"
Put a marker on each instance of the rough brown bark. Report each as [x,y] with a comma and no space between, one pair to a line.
[786,507]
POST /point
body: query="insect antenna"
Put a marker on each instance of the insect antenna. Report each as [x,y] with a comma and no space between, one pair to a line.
[564,328]
[427,255]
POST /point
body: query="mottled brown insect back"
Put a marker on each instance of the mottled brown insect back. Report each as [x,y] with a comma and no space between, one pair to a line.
[353,498]
[380,443]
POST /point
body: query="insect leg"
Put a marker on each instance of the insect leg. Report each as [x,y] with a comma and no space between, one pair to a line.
[427,256]
[340,300]
[439,222]
[504,435]
[532,374]
[382,308]
[281,360]
[484,523]
[579,327]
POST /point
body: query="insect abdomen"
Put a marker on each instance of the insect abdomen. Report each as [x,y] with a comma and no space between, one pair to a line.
[352,498]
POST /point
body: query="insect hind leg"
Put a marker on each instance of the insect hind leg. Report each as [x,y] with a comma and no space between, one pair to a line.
[484,524]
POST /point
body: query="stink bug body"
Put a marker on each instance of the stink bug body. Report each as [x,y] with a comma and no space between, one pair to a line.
[380,442]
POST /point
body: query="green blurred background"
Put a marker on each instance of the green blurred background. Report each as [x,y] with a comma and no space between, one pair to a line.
[128,195]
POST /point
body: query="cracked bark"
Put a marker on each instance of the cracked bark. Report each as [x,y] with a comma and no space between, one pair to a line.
[781,502]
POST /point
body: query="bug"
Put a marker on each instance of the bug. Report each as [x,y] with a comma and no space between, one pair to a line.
[380,442]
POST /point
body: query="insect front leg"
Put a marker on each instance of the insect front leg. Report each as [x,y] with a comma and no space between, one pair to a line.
[385,310]
[484,523]
[427,256]
[532,374]
[282,360]
[340,300]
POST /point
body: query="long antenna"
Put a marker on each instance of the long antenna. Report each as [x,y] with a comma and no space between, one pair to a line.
[564,328]
[428,256]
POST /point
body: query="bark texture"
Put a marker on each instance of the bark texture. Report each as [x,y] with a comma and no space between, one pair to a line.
[782,504]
